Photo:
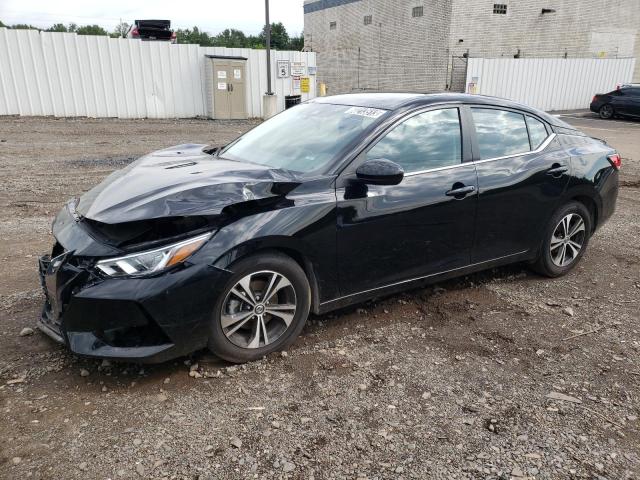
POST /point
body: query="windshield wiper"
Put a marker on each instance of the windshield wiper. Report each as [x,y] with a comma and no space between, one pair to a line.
[212,150]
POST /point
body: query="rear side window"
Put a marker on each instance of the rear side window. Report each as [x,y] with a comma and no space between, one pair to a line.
[425,141]
[537,132]
[500,133]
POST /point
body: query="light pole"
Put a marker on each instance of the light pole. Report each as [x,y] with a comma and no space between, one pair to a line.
[268,45]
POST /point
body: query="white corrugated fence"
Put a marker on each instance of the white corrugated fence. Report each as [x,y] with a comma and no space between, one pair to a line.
[548,83]
[69,75]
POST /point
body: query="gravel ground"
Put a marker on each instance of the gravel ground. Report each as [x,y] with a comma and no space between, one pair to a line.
[497,375]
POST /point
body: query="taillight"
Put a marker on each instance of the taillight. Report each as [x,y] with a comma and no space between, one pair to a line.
[174,37]
[135,33]
[595,97]
[615,160]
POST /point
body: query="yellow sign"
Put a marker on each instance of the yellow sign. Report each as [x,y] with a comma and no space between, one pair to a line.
[304,85]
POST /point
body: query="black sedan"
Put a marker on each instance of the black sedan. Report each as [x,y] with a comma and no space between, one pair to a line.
[330,203]
[623,101]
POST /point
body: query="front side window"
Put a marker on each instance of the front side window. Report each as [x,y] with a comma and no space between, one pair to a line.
[500,133]
[305,138]
[537,132]
[428,140]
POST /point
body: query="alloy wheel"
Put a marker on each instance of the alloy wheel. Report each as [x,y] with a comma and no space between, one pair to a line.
[258,309]
[567,240]
[606,111]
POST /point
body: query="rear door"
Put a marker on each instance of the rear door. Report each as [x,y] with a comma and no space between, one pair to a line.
[389,234]
[522,174]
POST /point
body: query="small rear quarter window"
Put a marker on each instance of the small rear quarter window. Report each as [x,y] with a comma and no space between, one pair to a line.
[537,132]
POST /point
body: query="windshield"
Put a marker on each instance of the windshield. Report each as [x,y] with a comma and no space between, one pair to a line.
[304,138]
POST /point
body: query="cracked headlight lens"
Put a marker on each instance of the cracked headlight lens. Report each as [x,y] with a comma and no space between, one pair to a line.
[152,260]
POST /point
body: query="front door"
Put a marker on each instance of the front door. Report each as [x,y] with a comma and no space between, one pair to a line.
[424,225]
[522,174]
[229,89]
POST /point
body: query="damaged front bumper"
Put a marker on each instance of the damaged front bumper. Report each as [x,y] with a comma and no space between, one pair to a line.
[142,319]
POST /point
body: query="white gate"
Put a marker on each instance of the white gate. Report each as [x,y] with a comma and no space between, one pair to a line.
[547,83]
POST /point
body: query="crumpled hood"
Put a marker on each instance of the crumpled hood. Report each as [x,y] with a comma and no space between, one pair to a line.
[180,181]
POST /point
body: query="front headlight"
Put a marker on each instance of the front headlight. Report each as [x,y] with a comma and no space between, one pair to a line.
[152,260]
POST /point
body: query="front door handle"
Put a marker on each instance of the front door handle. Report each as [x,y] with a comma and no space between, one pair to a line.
[460,191]
[557,170]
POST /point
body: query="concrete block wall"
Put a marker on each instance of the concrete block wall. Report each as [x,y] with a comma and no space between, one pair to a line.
[577,28]
[396,52]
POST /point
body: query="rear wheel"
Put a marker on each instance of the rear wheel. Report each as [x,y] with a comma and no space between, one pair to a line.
[262,308]
[566,238]
[606,111]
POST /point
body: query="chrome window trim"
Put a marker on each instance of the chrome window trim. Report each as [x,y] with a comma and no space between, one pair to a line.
[423,277]
[437,169]
[542,146]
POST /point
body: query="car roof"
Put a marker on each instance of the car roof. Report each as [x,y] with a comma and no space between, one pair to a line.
[395,101]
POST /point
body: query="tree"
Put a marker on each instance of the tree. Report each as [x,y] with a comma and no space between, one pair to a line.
[23,26]
[194,36]
[91,30]
[279,36]
[296,43]
[255,41]
[121,30]
[58,27]
[230,38]
[72,28]
[2,24]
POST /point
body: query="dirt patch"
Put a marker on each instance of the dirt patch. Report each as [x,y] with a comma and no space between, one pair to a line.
[448,381]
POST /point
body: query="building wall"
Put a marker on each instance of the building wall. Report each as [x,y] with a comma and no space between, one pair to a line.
[396,52]
[577,29]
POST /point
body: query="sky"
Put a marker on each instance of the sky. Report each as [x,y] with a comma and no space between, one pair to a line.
[211,16]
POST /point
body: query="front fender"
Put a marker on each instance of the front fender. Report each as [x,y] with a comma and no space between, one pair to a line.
[306,232]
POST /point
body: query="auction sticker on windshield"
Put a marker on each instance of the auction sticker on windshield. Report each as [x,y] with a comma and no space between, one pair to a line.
[366,112]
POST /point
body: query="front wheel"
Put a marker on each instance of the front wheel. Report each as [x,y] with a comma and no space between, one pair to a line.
[566,238]
[262,308]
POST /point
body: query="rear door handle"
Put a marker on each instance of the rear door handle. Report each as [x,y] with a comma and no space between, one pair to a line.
[557,170]
[460,192]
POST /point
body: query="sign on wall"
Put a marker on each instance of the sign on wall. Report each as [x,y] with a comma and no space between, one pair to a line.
[298,69]
[283,68]
[304,85]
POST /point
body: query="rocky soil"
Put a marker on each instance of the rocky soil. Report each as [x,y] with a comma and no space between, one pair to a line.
[497,375]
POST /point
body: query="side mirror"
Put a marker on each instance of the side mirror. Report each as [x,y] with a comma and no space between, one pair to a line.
[380,172]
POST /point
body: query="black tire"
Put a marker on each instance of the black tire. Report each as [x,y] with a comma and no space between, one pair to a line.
[545,263]
[273,262]
[606,111]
